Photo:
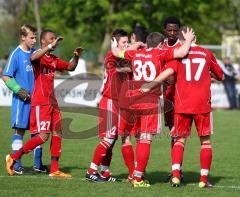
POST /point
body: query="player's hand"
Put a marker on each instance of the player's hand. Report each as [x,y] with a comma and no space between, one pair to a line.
[78,51]
[55,42]
[114,43]
[24,95]
[189,35]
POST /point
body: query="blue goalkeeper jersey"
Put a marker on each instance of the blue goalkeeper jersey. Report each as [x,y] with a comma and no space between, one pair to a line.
[20,68]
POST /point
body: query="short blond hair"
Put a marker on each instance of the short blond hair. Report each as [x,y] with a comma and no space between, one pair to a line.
[25,29]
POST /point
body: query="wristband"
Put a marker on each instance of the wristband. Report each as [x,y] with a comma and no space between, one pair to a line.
[13,85]
[49,46]
[121,54]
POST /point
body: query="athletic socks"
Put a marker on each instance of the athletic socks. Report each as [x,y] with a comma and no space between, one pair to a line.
[29,146]
[205,160]
[128,156]
[98,156]
[55,148]
[177,157]
[17,143]
[142,157]
[37,155]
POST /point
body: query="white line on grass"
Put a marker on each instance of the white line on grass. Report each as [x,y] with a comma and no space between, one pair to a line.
[220,186]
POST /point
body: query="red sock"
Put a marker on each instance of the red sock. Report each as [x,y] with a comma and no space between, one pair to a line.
[142,156]
[106,161]
[205,160]
[128,156]
[55,148]
[177,157]
[98,156]
[29,146]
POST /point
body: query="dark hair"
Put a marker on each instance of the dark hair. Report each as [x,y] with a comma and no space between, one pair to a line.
[154,39]
[141,33]
[171,20]
[184,29]
[117,33]
[24,30]
[44,32]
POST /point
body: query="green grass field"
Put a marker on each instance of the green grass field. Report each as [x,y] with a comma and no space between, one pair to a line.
[77,154]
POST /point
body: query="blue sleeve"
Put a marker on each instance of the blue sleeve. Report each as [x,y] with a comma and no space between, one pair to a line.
[11,66]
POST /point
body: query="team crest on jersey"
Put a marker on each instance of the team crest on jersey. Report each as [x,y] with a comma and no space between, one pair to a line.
[29,68]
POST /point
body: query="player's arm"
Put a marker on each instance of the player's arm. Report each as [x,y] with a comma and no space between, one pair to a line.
[183,50]
[146,87]
[42,51]
[74,61]
[215,69]
[16,88]
[124,69]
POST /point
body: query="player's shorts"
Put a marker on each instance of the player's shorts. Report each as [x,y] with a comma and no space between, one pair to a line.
[168,106]
[128,125]
[45,119]
[149,117]
[183,124]
[108,118]
[20,114]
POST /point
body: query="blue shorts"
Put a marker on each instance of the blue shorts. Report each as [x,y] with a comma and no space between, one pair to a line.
[20,113]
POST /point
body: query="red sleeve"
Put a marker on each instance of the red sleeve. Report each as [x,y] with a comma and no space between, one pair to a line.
[61,65]
[172,64]
[109,60]
[129,54]
[165,54]
[215,68]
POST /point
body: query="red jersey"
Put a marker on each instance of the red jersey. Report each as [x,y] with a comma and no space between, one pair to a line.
[175,46]
[147,63]
[192,88]
[112,79]
[44,70]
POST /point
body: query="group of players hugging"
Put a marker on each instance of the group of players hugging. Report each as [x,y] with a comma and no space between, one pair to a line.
[135,77]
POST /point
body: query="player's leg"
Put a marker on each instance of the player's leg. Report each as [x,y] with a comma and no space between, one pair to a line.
[142,157]
[180,131]
[27,147]
[55,125]
[203,124]
[108,123]
[37,152]
[127,128]
[17,143]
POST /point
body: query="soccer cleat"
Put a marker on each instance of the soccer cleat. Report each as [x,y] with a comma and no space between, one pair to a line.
[59,174]
[130,179]
[175,182]
[42,169]
[170,176]
[109,178]
[96,178]
[202,184]
[142,183]
[9,165]
[19,170]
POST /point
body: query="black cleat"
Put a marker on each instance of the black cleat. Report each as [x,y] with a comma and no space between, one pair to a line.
[42,169]
[96,178]
[109,179]
[19,170]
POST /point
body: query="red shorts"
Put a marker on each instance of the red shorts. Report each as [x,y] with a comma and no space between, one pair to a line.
[108,118]
[45,119]
[128,125]
[183,124]
[149,117]
[168,106]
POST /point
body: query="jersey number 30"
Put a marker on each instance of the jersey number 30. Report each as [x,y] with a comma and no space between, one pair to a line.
[140,70]
[201,63]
